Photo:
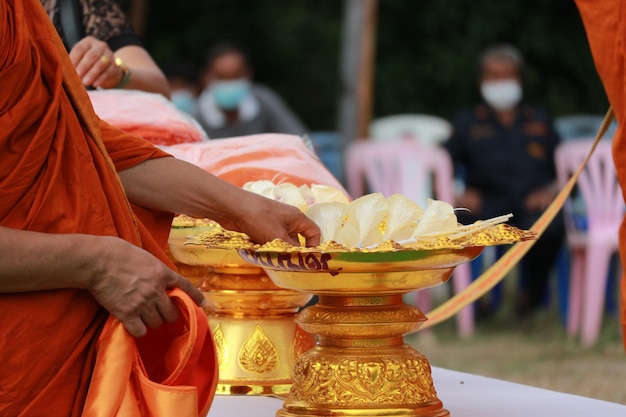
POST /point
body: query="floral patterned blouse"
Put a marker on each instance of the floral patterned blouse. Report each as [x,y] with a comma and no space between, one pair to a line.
[102,19]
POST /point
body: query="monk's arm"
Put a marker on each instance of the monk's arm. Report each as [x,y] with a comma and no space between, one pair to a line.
[176,186]
[48,260]
[125,279]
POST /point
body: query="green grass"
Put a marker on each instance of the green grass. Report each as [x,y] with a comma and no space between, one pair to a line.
[535,351]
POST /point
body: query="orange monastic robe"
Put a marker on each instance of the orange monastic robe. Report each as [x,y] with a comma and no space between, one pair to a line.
[605,23]
[60,352]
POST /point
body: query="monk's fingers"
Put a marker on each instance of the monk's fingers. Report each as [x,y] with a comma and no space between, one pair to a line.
[311,233]
[167,309]
[152,317]
[151,314]
[195,294]
[135,326]
[307,228]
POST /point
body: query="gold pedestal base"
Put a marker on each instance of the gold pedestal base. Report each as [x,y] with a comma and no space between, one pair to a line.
[256,355]
[253,325]
[361,366]
[252,321]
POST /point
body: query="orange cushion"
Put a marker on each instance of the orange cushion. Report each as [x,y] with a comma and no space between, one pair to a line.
[147,115]
[274,157]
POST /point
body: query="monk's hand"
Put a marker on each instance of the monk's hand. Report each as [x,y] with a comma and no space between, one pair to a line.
[130,283]
[95,63]
[263,220]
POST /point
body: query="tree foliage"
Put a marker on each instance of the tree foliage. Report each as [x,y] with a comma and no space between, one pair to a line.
[427,54]
[426,51]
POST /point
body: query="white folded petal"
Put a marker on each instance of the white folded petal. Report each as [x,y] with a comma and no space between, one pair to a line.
[402,219]
[326,194]
[438,219]
[371,211]
[288,193]
[262,187]
[328,216]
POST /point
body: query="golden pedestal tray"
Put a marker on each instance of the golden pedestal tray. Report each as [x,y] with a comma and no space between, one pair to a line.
[252,319]
[361,365]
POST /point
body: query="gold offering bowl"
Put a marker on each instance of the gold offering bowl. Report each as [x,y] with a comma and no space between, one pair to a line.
[361,365]
[252,319]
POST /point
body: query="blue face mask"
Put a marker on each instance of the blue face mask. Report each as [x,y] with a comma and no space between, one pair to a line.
[228,94]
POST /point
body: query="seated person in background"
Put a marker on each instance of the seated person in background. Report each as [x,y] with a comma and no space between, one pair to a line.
[103,47]
[506,151]
[232,105]
[182,77]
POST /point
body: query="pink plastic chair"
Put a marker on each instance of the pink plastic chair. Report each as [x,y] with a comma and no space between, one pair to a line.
[403,167]
[590,249]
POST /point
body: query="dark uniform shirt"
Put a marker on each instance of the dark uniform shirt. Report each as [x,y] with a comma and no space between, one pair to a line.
[504,163]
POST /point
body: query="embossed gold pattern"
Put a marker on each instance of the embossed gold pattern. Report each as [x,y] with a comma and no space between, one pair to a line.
[302,341]
[361,366]
[223,352]
[476,234]
[258,354]
[183,220]
[388,379]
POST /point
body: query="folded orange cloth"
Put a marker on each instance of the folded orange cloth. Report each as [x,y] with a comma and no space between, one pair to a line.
[274,157]
[147,115]
[169,372]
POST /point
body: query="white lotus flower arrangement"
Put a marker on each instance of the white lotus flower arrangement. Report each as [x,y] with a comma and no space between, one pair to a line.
[302,197]
[372,219]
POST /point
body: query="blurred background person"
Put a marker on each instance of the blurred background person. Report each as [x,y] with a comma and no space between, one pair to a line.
[231,104]
[103,47]
[505,151]
[182,77]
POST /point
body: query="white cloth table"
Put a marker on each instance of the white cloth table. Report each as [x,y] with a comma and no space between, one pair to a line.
[464,395]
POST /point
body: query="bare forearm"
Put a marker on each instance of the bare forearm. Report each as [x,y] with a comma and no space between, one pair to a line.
[31,261]
[126,280]
[176,186]
[179,187]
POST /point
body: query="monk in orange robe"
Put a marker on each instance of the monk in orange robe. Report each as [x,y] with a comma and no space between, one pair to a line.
[83,223]
[605,23]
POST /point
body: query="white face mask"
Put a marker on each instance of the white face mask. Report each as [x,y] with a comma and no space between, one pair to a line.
[503,94]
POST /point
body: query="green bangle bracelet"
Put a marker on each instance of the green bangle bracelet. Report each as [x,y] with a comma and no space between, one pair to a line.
[125,73]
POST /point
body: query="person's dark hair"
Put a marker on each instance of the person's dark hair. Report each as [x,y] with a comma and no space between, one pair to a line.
[501,51]
[180,69]
[222,48]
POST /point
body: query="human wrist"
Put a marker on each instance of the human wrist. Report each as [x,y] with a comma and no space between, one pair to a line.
[125,73]
[88,252]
